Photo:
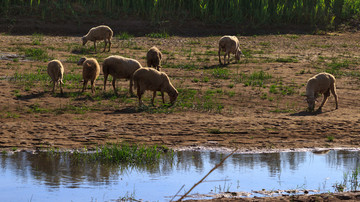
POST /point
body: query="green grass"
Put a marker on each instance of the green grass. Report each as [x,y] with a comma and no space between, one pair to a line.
[119,153]
[124,36]
[221,73]
[256,78]
[158,35]
[287,60]
[37,54]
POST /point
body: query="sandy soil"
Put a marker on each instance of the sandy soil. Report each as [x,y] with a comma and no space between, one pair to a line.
[249,117]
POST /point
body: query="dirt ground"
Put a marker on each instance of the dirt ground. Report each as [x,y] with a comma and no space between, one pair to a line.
[218,106]
[226,112]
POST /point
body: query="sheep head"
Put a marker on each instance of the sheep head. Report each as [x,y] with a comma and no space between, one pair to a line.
[84,40]
[173,95]
[311,103]
[81,61]
[238,54]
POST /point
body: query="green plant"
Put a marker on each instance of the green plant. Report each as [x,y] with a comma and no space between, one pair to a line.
[37,54]
[214,131]
[158,35]
[124,36]
[330,138]
[220,73]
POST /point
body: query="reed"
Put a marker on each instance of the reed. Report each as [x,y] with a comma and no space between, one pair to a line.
[249,12]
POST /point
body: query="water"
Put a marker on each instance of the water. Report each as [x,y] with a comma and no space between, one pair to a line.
[28,177]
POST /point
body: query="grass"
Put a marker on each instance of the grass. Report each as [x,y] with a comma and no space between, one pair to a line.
[351,181]
[256,78]
[37,54]
[220,73]
[124,36]
[158,35]
[120,153]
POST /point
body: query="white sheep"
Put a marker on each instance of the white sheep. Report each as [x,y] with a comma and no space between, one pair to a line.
[151,79]
[153,58]
[321,83]
[229,44]
[91,70]
[55,69]
[120,67]
[101,32]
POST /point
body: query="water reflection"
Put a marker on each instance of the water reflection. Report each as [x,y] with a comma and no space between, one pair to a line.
[60,174]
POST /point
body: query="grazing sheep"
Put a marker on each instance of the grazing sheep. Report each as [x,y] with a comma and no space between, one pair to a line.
[120,67]
[91,70]
[229,44]
[101,32]
[56,72]
[151,79]
[153,58]
[321,83]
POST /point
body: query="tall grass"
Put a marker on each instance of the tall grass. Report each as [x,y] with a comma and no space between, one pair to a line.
[253,12]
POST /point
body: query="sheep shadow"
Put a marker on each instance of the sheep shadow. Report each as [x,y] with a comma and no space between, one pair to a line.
[126,110]
[307,113]
[31,96]
[216,66]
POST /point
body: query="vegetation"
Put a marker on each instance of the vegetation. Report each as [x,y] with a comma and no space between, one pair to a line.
[253,13]
[119,153]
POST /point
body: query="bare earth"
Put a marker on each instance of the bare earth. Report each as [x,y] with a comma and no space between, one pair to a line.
[250,118]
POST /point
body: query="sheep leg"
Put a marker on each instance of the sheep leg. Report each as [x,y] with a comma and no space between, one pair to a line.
[61,88]
[95,46]
[326,95]
[92,86]
[225,58]
[139,94]
[53,90]
[84,86]
[219,56]
[105,79]
[333,91]
[162,95]
[109,44]
[131,87]
[228,57]
[113,84]
[153,98]
[105,45]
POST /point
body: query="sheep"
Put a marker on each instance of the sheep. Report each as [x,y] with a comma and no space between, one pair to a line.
[229,44]
[56,72]
[151,79]
[321,83]
[101,32]
[120,67]
[153,58]
[91,70]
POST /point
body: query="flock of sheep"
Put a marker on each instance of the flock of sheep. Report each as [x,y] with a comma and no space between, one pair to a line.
[153,79]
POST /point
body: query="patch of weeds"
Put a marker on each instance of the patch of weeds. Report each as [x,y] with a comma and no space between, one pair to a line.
[79,49]
[72,58]
[195,80]
[37,54]
[37,38]
[214,131]
[158,35]
[205,79]
[124,36]
[210,53]
[330,138]
[287,60]
[230,85]
[193,42]
[265,44]
[291,36]
[279,88]
[231,93]
[257,78]
[14,148]
[12,115]
[335,67]
[220,73]
[35,108]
